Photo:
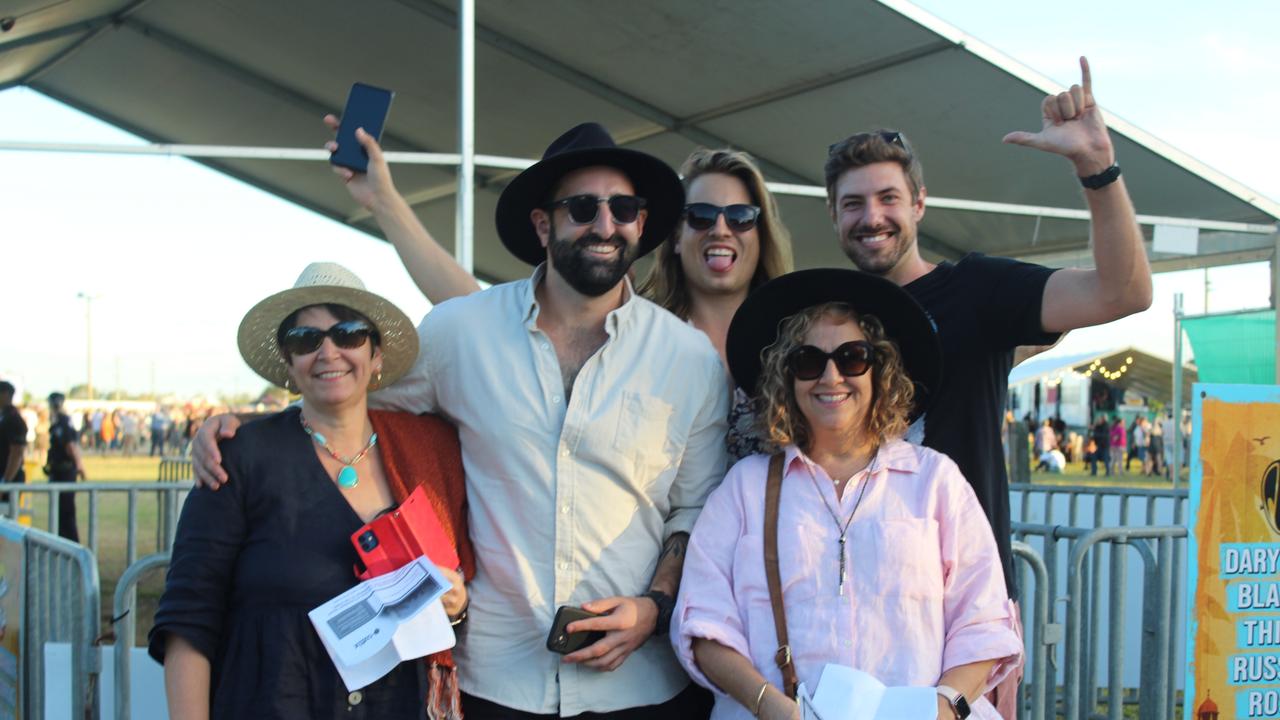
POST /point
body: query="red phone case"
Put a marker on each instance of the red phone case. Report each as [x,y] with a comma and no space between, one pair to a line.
[405,534]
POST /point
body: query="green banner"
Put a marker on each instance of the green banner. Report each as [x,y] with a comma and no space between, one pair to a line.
[1238,349]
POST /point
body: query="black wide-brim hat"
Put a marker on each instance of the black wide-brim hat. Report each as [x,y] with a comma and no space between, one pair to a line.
[755,326]
[587,145]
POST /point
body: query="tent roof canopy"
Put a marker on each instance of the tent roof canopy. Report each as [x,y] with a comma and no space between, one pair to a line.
[794,79]
[1145,374]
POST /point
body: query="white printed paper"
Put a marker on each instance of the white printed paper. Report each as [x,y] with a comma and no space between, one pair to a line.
[847,694]
[383,621]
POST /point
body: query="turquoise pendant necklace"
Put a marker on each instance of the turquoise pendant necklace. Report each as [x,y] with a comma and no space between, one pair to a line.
[347,477]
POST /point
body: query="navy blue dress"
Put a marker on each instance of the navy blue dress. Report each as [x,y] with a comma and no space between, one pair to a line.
[249,562]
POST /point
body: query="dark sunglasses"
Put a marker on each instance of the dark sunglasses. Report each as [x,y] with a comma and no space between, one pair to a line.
[893,138]
[739,218]
[348,335]
[852,359]
[584,208]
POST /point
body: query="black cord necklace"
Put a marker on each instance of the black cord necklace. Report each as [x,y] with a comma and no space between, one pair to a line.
[844,529]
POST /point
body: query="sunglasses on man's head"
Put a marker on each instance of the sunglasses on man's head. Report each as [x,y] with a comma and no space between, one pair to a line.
[852,359]
[583,208]
[739,218]
[893,138]
[305,340]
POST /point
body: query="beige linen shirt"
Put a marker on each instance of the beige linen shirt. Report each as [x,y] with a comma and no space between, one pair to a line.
[567,502]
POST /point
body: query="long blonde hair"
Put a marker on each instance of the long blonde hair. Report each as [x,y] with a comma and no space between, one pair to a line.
[778,414]
[666,284]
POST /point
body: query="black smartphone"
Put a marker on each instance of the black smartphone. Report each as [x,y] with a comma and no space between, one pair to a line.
[367,107]
[561,641]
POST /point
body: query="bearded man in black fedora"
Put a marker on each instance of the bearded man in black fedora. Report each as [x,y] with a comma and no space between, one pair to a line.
[592,426]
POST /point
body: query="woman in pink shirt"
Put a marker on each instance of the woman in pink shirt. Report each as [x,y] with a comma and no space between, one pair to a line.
[1119,438]
[886,560]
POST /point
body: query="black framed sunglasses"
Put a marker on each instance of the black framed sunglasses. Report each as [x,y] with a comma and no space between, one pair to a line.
[584,208]
[348,335]
[738,217]
[893,138]
[852,359]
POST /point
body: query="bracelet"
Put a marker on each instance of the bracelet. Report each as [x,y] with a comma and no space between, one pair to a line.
[455,622]
[760,698]
[1102,179]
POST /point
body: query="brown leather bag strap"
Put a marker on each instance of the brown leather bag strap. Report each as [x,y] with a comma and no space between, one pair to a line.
[772,493]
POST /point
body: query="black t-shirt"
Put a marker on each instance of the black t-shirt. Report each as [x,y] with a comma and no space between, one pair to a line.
[983,307]
[13,431]
[61,437]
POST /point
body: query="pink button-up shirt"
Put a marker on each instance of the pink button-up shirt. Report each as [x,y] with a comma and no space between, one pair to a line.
[925,591]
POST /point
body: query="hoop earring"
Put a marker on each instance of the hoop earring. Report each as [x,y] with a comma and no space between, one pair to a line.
[377,380]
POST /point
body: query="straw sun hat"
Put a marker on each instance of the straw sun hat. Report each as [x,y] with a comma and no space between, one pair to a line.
[319,284]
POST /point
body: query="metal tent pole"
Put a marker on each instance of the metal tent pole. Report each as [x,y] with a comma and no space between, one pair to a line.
[464,226]
[1275,295]
[1176,467]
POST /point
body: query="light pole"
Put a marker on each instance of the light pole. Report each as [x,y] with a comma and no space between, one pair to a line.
[88,341]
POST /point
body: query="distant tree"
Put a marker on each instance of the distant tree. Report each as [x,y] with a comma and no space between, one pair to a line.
[274,395]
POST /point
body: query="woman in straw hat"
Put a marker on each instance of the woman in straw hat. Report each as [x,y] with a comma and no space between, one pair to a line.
[731,240]
[252,559]
[889,565]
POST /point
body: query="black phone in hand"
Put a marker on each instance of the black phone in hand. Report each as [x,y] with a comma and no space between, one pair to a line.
[367,107]
[564,642]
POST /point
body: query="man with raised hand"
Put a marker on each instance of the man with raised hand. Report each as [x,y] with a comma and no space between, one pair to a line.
[592,426]
[984,307]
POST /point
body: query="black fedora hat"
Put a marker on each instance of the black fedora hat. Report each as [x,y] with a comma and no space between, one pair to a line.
[587,145]
[755,325]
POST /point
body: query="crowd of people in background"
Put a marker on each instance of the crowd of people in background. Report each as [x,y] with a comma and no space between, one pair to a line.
[1109,443]
[164,431]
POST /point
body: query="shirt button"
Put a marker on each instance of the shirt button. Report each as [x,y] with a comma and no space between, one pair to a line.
[555,399]
[355,698]
[564,452]
[848,643]
[564,565]
[564,509]
[546,346]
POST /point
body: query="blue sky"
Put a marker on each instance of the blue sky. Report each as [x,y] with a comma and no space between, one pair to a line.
[176,253]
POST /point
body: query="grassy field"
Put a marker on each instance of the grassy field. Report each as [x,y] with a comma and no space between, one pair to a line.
[113,521]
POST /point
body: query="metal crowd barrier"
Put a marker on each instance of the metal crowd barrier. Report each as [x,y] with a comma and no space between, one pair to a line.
[169,496]
[172,470]
[62,605]
[1111,508]
[1042,634]
[123,607]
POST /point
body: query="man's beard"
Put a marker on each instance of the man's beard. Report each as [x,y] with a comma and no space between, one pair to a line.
[880,262]
[590,276]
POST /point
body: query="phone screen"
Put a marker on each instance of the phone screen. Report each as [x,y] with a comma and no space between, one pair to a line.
[367,107]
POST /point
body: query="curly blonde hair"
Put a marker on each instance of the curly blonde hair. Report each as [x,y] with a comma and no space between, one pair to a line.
[778,414]
[665,284]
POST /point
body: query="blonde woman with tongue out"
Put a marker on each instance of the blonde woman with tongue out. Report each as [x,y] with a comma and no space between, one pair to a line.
[730,242]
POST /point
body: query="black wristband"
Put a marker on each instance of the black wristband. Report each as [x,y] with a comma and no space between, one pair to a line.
[1102,179]
[666,606]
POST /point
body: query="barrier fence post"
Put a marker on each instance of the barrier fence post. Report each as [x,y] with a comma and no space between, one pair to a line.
[62,605]
[1115,623]
[123,610]
[1040,620]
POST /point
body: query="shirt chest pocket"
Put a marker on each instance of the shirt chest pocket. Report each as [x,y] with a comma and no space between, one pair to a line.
[900,557]
[648,431]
